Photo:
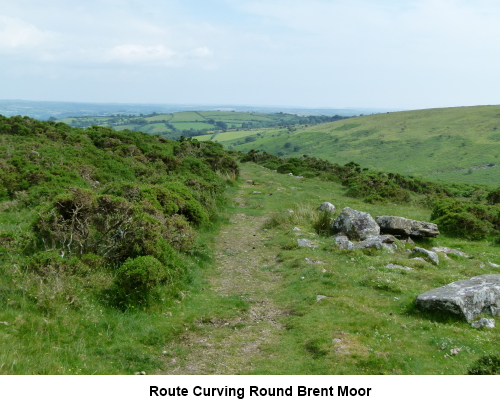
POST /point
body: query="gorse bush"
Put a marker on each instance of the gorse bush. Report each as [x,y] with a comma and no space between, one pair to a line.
[486,365]
[473,221]
[122,203]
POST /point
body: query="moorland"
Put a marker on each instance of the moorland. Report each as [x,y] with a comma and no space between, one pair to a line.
[123,252]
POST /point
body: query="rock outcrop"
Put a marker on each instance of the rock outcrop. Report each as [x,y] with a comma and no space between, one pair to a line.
[447,250]
[467,298]
[343,242]
[432,256]
[378,242]
[405,227]
[356,225]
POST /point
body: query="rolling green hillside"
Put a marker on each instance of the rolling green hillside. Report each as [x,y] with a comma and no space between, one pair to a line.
[457,144]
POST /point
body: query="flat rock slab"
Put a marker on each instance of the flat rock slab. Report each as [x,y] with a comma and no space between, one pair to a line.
[449,251]
[484,323]
[397,267]
[406,227]
[306,243]
[467,298]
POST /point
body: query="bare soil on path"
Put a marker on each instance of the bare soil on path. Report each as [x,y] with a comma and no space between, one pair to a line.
[231,346]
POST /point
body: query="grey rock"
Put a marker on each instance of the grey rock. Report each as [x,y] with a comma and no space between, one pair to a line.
[306,243]
[397,266]
[420,259]
[432,256]
[496,266]
[295,229]
[410,241]
[406,227]
[356,225]
[249,182]
[394,225]
[320,297]
[343,242]
[314,261]
[378,242]
[484,323]
[424,229]
[446,250]
[326,206]
[467,298]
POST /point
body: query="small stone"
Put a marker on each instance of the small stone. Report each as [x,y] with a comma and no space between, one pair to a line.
[249,182]
[496,266]
[324,271]
[296,229]
[140,373]
[326,206]
[164,352]
[484,323]
[396,266]
[290,211]
[481,265]
[371,268]
[257,192]
[306,243]
[320,297]
[336,341]
[455,351]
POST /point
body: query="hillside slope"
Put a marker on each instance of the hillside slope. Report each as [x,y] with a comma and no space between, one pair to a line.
[459,144]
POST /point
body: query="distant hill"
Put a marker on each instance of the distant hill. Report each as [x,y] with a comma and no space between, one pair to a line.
[457,144]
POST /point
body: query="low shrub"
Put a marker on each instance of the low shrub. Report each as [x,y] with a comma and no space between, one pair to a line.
[486,365]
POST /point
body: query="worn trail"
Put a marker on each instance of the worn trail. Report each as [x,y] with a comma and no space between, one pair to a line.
[231,346]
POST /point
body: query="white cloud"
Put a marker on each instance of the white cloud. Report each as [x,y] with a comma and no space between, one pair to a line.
[16,33]
[156,55]
[130,53]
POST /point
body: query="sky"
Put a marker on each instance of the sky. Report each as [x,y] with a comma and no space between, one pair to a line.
[394,54]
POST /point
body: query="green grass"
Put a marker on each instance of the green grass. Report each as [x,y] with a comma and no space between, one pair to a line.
[371,311]
[192,125]
[436,143]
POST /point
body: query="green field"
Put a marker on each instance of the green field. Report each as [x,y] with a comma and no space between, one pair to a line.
[196,123]
[192,125]
[460,144]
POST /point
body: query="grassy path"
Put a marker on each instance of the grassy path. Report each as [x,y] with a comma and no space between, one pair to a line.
[274,308]
[230,346]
